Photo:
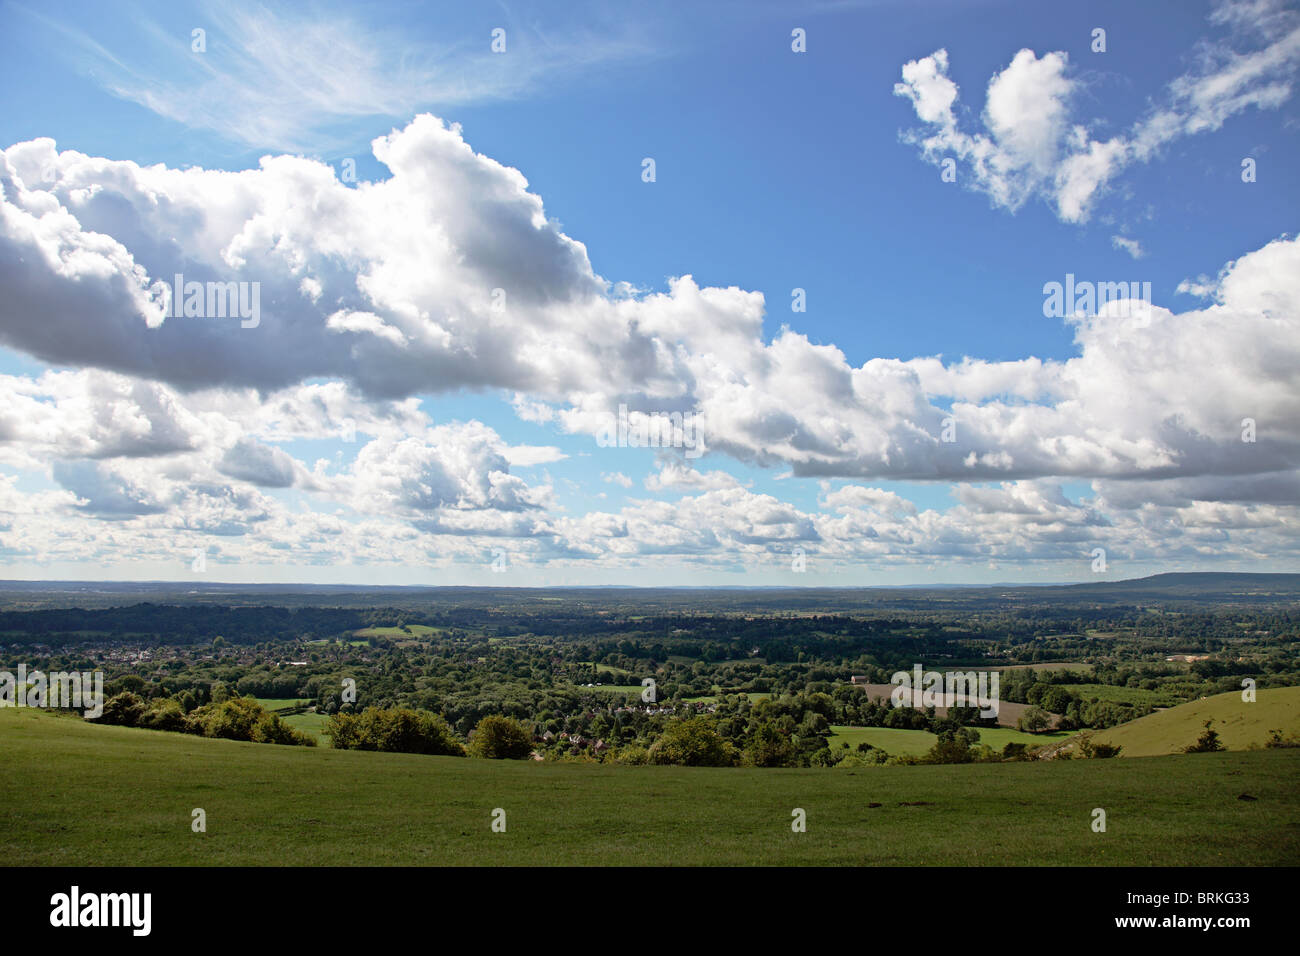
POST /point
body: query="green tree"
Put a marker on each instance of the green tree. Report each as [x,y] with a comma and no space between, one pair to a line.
[692,743]
[766,746]
[497,737]
[953,749]
[1056,699]
[1034,720]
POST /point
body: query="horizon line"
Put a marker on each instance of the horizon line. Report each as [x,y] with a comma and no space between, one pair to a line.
[7,583]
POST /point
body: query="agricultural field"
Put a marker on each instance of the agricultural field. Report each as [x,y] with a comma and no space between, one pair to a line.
[916,742]
[398,633]
[1051,666]
[281,703]
[888,739]
[268,805]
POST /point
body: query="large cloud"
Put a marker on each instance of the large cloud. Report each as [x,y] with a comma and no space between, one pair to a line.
[449,275]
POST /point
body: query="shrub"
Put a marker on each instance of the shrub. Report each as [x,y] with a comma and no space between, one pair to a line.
[1015,751]
[1208,742]
[862,758]
[164,714]
[633,755]
[1091,749]
[123,710]
[232,719]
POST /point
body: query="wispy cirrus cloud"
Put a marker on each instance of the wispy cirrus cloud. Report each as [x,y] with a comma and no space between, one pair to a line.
[294,80]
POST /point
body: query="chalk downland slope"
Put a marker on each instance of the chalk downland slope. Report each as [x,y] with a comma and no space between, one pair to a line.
[1239,724]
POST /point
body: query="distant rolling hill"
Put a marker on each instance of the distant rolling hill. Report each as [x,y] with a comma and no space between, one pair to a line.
[1173,589]
[1201,585]
[1239,724]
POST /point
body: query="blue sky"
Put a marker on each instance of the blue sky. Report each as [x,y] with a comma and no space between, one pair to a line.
[775,170]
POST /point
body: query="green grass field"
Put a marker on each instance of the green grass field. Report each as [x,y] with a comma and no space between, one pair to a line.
[311,724]
[916,742]
[887,739]
[280,703]
[80,794]
[1239,724]
[397,633]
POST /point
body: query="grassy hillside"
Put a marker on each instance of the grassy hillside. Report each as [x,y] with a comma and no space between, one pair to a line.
[79,794]
[1238,723]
